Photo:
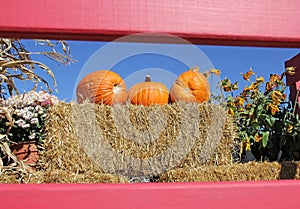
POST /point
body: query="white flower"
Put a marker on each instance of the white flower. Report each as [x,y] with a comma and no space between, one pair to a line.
[30,108]
[28,115]
[18,112]
[31,98]
[20,122]
[25,126]
[31,136]
[34,120]
[38,108]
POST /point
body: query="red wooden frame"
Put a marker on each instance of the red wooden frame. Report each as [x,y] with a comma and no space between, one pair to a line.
[227,22]
[246,195]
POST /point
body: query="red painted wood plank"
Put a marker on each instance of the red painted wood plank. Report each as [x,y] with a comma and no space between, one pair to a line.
[260,194]
[293,62]
[230,22]
[293,81]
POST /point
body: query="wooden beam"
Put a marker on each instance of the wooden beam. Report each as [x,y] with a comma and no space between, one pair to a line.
[227,22]
[246,195]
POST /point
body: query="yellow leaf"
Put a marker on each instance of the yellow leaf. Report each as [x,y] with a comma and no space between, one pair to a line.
[257,137]
[274,108]
[215,71]
[230,111]
[248,74]
[290,128]
[260,79]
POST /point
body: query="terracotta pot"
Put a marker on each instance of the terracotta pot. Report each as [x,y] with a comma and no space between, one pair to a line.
[27,152]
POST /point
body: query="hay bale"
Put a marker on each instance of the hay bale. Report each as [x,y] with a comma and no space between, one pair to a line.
[9,178]
[14,174]
[61,149]
[235,172]
[136,140]
[60,176]
[63,159]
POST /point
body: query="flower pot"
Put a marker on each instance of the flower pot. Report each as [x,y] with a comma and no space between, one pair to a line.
[27,152]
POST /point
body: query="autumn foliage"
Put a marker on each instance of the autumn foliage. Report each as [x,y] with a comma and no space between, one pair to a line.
[265,121]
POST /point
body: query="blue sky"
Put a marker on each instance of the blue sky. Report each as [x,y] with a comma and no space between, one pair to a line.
[162,61]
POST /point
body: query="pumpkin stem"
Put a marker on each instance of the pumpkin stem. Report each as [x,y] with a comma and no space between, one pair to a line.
[195,69]
[148,78]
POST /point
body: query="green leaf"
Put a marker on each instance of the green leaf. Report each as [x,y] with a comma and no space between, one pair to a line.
[252,111]
[248,120]
[297,125]
[259,109]
[265,138]
[270,120]
[252,138]
[243,135]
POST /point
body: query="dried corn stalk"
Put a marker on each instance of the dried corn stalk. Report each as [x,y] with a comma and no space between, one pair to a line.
[17,64]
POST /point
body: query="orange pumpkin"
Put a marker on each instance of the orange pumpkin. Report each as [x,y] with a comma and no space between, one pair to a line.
[190,86]
[102,86]
[148,93]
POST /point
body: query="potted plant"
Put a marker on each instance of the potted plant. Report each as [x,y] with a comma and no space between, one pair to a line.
[25,127]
